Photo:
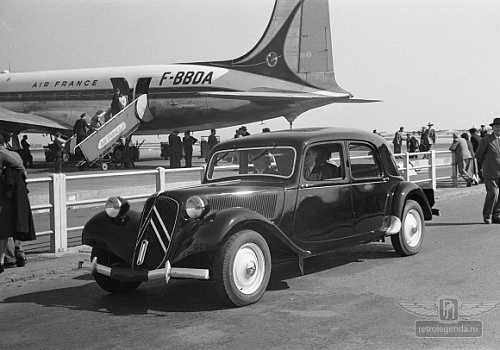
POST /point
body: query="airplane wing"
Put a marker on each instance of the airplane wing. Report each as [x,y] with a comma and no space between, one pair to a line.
[267,96]
[15,122]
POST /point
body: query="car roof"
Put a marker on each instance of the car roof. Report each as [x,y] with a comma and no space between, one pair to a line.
[299,137]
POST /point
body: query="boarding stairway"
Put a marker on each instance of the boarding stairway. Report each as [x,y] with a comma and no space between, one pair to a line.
[102,142]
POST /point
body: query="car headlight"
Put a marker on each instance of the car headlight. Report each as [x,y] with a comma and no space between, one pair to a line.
[196,207]
[116,207]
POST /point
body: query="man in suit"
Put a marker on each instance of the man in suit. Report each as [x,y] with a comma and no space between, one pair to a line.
[428,137]
[188,141]
[397,141]
[488,153]
[463,158]
[80,128]
[175,143]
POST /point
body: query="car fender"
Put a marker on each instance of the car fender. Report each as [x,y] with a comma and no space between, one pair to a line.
[111,235]
[403,191]
[211,232]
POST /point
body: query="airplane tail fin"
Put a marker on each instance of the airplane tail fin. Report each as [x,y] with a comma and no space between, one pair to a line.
[296,46]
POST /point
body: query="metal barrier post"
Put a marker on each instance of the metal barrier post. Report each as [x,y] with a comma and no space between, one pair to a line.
[454,174]
[160,179]
[58,217]
[202,171]
[432,169]
[406,161]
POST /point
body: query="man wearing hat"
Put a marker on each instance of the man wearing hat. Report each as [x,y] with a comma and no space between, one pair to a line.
[428,137]
[488,153]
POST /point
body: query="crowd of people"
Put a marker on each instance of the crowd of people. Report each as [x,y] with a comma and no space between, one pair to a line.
[476,157]
[464,147]
[416,141]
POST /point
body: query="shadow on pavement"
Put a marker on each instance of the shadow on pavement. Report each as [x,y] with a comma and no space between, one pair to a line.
[156,298]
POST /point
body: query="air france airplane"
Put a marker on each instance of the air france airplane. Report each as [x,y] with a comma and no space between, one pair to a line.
[289,71]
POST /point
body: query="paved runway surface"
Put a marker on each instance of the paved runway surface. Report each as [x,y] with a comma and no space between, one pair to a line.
[350,299]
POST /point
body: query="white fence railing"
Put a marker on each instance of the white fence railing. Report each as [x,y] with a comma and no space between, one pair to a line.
[58,204]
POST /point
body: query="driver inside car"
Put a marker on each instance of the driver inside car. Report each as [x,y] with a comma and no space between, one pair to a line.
[262,163]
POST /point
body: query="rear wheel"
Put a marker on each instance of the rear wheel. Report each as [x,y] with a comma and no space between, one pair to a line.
[108,284]
[409,240]
[242,268]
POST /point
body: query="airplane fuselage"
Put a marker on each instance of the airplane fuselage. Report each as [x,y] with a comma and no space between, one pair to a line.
[173,95]
[288,71]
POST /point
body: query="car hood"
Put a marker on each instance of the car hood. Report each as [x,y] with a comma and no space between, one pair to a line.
[264,198]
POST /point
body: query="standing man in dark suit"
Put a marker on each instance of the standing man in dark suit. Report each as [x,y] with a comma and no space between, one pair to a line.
[188,141]
[80,128]
[488,153]
[429,137]
[175,149]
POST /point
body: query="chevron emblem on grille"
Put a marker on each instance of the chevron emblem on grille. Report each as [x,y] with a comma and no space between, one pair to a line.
[159,225]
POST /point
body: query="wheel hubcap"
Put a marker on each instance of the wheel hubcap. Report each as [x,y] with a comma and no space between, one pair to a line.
[412,228]
[249,268]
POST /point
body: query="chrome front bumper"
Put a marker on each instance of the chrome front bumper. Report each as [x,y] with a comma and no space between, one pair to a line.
[131,275]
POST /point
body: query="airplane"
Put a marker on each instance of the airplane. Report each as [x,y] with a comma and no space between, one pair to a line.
[289,71]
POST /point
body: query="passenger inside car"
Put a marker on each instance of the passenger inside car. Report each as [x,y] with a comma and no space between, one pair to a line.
[317,167]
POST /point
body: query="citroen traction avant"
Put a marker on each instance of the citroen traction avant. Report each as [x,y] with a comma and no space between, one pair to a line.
[262,199]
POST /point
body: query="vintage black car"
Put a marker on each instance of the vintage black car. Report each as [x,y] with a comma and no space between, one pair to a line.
[263,198]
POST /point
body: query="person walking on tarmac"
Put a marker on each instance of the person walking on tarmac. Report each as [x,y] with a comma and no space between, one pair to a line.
[188,142]
[175,149]
[80,128]
[15,210]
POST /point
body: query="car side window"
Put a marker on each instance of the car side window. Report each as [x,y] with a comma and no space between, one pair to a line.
[324,162]
[363,161]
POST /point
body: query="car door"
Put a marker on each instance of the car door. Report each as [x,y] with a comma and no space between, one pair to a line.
[369,186]
[323,212]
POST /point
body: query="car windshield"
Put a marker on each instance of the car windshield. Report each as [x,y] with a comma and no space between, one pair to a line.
[252,161]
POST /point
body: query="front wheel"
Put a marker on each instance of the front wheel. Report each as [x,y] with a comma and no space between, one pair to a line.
[409,240]
[108,284]
[242,268]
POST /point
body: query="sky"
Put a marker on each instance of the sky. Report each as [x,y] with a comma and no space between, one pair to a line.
[428,60]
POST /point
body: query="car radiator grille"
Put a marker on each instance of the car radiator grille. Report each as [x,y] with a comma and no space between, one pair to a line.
[157,226]
[264,204]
